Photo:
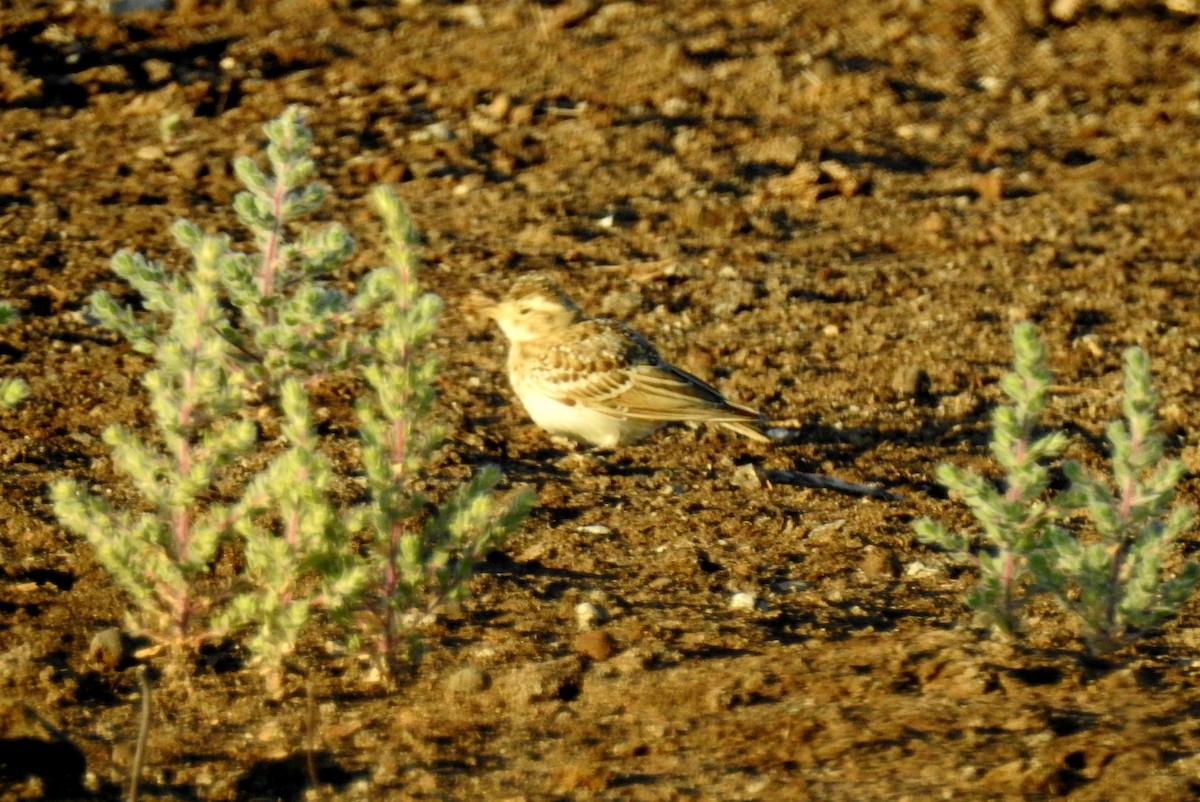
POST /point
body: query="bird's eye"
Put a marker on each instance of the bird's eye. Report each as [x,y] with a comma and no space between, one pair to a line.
[525,310]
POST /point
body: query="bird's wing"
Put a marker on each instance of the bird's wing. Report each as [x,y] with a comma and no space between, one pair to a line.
[664,392]
[610,368]
[590,367]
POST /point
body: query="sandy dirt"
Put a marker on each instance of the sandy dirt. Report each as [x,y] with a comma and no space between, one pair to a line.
[832,210]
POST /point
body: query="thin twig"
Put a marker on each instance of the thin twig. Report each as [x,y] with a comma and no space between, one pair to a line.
[139,753]
[820,482]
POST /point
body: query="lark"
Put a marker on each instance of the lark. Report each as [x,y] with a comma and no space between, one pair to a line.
[597,381]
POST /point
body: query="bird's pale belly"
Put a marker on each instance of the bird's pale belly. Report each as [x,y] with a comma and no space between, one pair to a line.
[577,422]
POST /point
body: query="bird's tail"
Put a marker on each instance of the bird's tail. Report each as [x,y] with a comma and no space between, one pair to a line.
[750,429]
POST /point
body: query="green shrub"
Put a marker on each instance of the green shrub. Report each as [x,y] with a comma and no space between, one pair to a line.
[1098,551]
[239,329]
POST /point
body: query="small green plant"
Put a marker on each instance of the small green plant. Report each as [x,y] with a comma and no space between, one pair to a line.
[12,391]
[1014,519]
[415,564]
[300,560]
[159,555]
[1099,552]
[172,126]
[290,321]
[1115,584]
[238,330]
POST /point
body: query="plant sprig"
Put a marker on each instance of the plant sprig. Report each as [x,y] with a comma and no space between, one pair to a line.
[240,328]
[12,391]
[413,567]
[159,556]
[1015,519]
[1101,551]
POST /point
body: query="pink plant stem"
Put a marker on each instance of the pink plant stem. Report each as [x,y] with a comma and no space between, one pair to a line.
[1128,490]
[290,529]
[291,525]
[399,457]
[391,573]
[1128,494]
[183,454]
[1015,491]
[388,636]
[266,279]
[182,523]
[1121,549]
[1006,578]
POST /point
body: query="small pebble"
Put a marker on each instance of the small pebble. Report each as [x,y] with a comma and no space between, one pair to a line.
[824,533]
[791,586]
[589,616]
[934,224]
[434,132]
[757,785]
[129,6]
[989,186]
[876,562]
[106,648]
[467,681]
[596,645]
[910,381]
[157,70]
[916,568]
[746,477]
[743,602]
[149,153]
[1092,343]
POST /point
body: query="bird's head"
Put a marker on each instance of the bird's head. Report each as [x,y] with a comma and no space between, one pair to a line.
[533,308]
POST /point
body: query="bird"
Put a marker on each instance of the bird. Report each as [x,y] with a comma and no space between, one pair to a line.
[596,381]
